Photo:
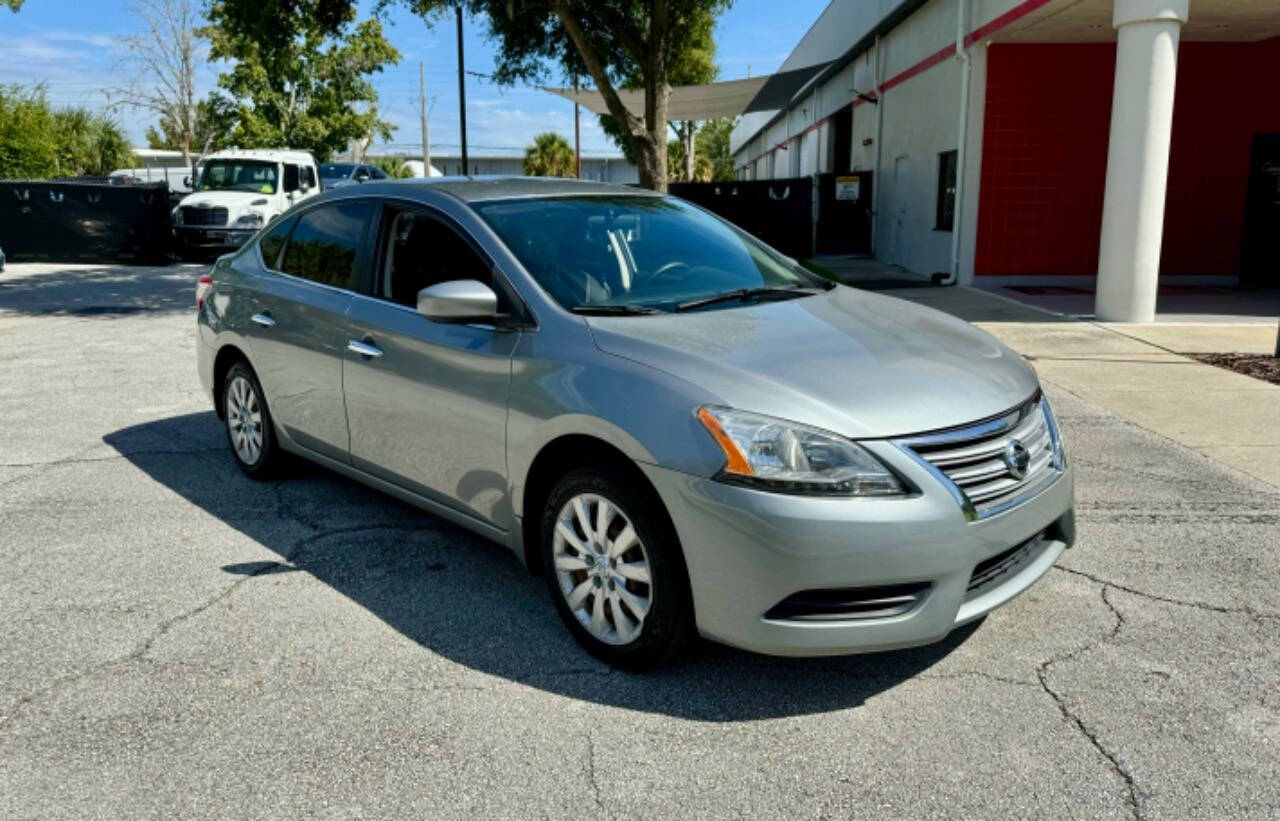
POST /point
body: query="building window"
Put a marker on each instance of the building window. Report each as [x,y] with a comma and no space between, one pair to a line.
[946,191]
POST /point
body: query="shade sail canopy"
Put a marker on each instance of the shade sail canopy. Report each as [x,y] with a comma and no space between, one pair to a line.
[768,92]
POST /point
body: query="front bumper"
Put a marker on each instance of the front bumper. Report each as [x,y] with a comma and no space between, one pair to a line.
[212,237]
[749,550]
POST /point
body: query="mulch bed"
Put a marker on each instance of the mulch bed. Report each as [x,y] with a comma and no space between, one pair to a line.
[1257,365]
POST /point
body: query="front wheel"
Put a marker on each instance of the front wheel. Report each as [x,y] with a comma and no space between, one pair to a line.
[614,568]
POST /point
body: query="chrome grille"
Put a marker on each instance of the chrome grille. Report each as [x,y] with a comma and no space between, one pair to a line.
[996,464]
[203,216]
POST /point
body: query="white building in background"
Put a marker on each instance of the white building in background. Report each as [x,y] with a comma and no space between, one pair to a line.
[997,154]
[609,168]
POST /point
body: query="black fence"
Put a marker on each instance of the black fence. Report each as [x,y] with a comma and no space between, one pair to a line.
[779,212]
[800,216]
[84,221]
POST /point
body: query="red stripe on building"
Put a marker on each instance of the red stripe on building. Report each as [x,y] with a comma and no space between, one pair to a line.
[1011,16]
[986,30]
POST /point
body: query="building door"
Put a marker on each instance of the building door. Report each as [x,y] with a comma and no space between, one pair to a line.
[1260,251]
[842,137]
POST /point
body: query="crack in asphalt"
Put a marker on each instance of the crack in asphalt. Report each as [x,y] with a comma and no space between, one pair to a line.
[85,460]
[979,674]
[139,653]
[1134,797]
[1213,608]
[39,468]
[591,770]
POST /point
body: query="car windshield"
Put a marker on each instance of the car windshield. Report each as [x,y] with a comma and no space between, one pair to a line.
[336,170]
[642,252]
[238,175]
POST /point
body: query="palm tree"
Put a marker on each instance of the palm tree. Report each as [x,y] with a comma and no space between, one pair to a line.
[549,156]
[394,167]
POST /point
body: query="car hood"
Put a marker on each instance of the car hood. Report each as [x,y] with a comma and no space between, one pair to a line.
[857,363]
[231,200]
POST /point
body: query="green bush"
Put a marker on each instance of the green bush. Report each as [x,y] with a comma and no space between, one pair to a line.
[37,141]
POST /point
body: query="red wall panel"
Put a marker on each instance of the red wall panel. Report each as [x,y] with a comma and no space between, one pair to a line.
[1044,155]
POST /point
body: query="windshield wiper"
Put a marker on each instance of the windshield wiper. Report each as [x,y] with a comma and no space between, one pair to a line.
[744,294]
[614,310]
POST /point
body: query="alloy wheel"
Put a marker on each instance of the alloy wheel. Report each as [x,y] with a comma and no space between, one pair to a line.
[244,420]
[602,568]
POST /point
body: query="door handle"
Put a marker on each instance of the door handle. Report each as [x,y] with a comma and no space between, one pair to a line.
[264,320]
[363,348]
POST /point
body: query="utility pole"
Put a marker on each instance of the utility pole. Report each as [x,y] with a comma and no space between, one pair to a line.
[577,136]
[426,143]
[462,96]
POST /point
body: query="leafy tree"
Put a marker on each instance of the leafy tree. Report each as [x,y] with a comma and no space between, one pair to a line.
[89,143]
[37,141]
[13,5]
[609,40]
[693,64]
[301,73]
[213,121]
[163,62]
[713,144]
[677,158]
[27,144]
[394,167]
[549,156]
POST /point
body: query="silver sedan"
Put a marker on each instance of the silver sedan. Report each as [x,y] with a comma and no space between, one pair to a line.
[682,430]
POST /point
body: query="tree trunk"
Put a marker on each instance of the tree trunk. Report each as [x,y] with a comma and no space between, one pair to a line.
[656,94]
[648,135]
[688,150]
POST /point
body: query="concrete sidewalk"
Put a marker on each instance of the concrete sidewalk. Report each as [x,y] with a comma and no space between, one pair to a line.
[1137,372]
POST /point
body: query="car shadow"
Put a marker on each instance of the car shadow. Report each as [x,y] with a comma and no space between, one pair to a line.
[469,600]
[101,291]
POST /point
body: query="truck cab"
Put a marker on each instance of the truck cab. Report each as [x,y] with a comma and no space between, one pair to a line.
[237,192]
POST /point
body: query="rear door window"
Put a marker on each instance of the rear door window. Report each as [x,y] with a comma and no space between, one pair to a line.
[326,242]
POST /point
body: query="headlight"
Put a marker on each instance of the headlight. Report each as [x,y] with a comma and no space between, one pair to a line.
[1055,435]
[249,221]
[774,454]
[176,215]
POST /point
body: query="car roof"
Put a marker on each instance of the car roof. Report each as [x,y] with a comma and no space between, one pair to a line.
[481,189]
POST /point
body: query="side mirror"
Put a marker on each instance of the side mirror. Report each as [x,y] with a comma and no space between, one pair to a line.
[362,175]
[458,301]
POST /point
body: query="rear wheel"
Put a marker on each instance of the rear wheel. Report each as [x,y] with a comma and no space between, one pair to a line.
[614,568]
[249,430]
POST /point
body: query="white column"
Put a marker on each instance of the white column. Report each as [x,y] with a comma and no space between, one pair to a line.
[969,189]
[1138,157]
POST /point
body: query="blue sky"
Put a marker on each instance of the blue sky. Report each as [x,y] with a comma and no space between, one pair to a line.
[71,47]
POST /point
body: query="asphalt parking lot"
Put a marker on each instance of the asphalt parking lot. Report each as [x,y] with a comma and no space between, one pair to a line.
[181,641]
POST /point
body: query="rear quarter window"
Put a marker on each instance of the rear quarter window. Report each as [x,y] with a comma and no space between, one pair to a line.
[325,242]
[272,242]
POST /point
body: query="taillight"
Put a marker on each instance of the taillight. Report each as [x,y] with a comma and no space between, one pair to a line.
[203,284]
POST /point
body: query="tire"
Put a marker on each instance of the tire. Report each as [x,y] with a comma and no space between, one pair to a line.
[244,410]
[600,594]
